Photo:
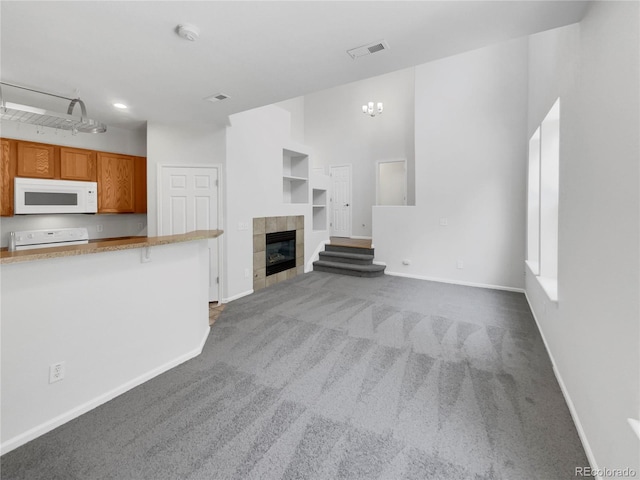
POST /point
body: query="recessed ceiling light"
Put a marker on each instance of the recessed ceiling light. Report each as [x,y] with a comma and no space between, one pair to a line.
[121,106]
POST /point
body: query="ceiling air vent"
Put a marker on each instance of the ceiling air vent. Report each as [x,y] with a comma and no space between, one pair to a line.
[374,47]
[217,97]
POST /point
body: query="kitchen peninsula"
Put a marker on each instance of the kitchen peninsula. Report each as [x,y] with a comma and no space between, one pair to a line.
[105,245]
[114,313]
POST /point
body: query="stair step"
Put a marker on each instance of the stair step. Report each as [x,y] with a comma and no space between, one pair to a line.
[349,269]
[351,258]
[345,249]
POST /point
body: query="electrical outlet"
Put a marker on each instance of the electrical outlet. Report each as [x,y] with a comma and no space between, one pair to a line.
[444,222]
[56,372]
[406,262]
[140,225]
[247,274]
[98,228]
[460,264]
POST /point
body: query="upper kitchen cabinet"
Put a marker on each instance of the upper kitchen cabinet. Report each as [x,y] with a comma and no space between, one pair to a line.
[36,160]
[140,184]
[116,183]
[122,179]
[7,173]
[122,183]
[77,164]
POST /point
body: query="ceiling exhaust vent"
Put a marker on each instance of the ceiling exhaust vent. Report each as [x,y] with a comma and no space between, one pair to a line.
[364,50]
[217,97]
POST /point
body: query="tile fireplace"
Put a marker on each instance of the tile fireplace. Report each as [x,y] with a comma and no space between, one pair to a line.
[278,249]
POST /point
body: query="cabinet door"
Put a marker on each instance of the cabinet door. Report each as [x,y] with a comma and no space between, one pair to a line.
[115,183]
[7,173]
[36,160]
[77,164]
[140,184]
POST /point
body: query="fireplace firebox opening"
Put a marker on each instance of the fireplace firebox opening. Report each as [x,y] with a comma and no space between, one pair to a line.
[280,252]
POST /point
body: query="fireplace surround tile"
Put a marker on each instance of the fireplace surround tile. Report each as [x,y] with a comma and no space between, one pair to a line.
[259,225]
[270,225]
[259,279]
[264,225]
[259,244]
[271,280]
[259,261]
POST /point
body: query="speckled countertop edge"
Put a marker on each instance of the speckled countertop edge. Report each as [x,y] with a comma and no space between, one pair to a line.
[106,245]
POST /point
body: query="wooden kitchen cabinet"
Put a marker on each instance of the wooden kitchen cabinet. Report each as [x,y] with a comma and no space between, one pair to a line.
[36,160]
[122,179]
[140,184]
[77,164]
[7,174]
[116,175]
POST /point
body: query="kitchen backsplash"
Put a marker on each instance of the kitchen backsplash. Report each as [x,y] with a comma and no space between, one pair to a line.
[99,226]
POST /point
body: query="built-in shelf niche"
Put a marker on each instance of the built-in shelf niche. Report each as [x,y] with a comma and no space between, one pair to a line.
[295,176]
[319,209]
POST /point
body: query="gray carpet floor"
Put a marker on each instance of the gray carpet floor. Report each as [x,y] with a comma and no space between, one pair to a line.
[334,377]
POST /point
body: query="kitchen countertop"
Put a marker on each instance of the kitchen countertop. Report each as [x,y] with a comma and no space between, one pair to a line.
[103,245]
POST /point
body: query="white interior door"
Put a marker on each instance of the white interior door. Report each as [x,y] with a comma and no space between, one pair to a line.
[340,200]
[189,201]
[392,183]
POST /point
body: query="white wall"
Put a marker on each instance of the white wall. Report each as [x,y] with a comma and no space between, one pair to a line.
[295,107]
[113,320]
[118,140]
[250,150]
[341,134]
[179,145]
[254,143]
[593,332]
[115,140]
[471,146]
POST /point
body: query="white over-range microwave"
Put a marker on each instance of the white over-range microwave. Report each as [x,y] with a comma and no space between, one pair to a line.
[36,196]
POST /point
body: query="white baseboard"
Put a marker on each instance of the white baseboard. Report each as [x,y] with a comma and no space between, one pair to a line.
[55,422]
[567,397]
[236,297]
[358,237]
[456,282]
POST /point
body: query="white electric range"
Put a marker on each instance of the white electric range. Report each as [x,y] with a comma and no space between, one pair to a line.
[31,239]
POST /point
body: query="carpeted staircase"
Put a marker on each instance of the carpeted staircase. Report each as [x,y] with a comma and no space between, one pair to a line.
[345,260]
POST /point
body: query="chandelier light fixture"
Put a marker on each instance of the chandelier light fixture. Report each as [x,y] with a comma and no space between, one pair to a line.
[370,110]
